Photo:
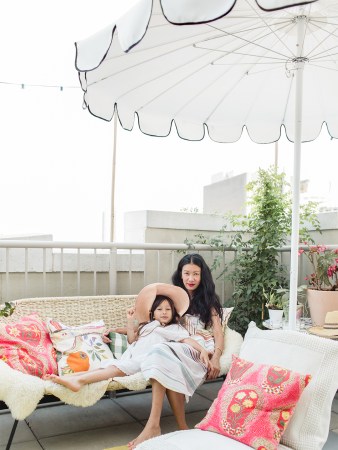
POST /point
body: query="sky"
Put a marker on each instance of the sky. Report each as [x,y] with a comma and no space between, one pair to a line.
[56,159]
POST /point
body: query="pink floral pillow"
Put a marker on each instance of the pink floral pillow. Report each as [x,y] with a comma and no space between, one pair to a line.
[255,403]
[25,345]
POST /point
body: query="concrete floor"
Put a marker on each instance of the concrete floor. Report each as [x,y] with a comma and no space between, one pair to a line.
[110,422]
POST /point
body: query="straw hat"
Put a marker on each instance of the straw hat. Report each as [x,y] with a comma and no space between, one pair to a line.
[330,328]
[146,297]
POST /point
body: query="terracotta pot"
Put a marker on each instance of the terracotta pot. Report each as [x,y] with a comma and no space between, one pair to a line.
[321,302]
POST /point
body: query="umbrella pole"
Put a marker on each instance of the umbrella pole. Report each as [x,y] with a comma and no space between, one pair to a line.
[112,207]
[299,66]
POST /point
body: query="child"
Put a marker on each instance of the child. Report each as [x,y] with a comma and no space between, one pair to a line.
[162,326]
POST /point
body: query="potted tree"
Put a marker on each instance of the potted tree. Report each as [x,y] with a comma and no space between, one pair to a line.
[322,289]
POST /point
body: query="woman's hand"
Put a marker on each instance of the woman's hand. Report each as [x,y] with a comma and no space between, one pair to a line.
[105,336]
[120,330]
[131,313]
[204,357]
[215,368]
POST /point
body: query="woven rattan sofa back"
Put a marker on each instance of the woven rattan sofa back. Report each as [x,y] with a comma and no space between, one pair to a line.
[75,311]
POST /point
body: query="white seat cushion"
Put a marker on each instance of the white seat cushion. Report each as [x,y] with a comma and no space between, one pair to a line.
[309,427]
[195,440]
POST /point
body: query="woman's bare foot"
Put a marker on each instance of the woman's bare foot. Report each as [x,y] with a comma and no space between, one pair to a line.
[147,433]
[72,383]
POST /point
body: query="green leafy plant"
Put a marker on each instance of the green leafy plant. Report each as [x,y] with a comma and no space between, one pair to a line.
[7,310]
[256,267]
[301,300]
[273,300]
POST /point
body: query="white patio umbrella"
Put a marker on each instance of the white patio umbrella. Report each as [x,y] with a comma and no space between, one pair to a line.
[214,67]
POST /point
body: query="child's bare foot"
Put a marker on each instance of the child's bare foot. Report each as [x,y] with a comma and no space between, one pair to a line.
[72,383]
[147,433]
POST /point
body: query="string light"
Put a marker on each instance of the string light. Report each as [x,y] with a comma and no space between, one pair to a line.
[51,86]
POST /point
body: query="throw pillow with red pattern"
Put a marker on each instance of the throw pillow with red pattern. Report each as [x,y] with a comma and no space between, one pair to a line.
[255,403]
[25,345]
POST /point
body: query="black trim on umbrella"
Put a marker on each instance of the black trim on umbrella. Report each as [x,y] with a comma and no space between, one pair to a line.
[205,127]
[202,21]
[305,2]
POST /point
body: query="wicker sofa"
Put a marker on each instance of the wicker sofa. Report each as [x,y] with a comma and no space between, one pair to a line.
[21,393]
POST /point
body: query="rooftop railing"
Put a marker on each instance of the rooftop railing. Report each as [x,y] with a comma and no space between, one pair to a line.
[32,268]
[50,268]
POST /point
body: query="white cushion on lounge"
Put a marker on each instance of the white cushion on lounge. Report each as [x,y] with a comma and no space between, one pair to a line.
[309,427]
[194,440]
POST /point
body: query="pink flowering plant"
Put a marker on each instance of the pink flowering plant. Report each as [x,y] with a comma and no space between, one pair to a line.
[324,263]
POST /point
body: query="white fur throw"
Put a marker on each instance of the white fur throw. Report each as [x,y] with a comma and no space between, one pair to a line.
[232,344]
[22,392]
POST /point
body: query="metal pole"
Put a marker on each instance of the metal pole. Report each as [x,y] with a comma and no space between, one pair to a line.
[299,63]
[112,207]
[276,156]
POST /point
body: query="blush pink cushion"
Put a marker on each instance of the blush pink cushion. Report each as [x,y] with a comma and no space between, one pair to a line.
[255,403]
[25,345]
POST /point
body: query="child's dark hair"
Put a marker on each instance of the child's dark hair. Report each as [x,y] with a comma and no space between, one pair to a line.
[204,297]
[157,302]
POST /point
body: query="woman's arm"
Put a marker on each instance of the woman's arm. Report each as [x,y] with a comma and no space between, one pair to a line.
[219,345]
[204,354]
[131,329]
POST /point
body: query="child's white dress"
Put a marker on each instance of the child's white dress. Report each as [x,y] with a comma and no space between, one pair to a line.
[159,355]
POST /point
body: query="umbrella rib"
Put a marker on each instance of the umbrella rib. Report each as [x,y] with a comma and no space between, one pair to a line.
[247,62]
[140,49]
[260,16]
[251,42]
[180,81]
[172,86]
[227,93]
[324,67]
[326,56]
[153,58]
[235,52]
[328,35]
[256,28]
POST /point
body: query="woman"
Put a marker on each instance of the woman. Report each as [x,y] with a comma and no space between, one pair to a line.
[194,276]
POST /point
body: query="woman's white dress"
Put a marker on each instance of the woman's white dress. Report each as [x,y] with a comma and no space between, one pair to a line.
[159,355]
[176,366]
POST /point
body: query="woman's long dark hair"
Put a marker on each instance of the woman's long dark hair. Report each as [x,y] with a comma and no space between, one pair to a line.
[204,297]
[158,300]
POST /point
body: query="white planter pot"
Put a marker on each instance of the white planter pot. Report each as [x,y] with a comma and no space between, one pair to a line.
[276,317]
